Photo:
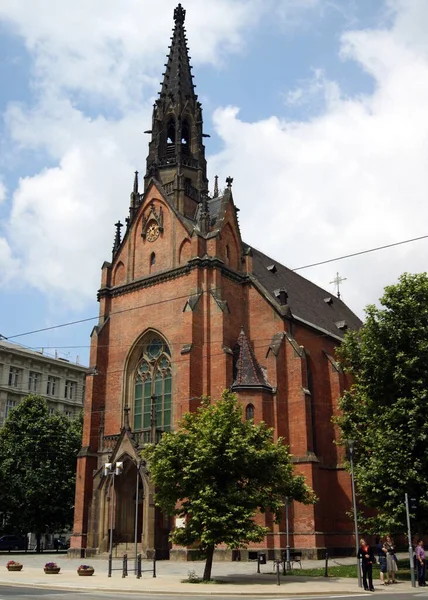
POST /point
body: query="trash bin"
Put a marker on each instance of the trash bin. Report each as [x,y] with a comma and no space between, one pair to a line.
[262,558]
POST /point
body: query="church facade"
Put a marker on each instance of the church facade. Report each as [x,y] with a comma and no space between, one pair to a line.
[187,309]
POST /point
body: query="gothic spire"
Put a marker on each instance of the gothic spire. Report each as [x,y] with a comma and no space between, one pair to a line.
[177,80]
[176,156]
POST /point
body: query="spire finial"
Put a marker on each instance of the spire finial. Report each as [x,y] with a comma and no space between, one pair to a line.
[179,15]
[136,183]
[229,181]
[215,187]
[117,237]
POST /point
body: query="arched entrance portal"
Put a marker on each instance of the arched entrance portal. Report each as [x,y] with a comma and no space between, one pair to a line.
[129,488]
[134,514]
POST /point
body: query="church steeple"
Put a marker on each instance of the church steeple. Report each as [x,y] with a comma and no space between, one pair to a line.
[176,152]
[178,77]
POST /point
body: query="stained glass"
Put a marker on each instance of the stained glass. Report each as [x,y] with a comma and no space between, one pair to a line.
[153,379]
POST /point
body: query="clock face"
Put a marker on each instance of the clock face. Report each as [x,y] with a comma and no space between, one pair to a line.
[152,232]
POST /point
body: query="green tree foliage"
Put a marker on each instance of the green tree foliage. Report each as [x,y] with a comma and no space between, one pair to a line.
[38,454]
[216,471]
[386,410]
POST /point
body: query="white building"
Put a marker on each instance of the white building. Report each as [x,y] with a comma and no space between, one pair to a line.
[24,371]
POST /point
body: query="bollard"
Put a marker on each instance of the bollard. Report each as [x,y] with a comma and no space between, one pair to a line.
[278,578]
[109,564]
[258,563]
[125,566]
[139,566]
[154,563]
[326,565]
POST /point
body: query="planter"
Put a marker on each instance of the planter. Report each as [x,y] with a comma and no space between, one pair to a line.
[15,568]
[85,572]
[52,571]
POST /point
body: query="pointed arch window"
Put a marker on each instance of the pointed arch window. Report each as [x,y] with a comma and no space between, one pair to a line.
[153,384]
[170,137]
[249,412]
[185,137]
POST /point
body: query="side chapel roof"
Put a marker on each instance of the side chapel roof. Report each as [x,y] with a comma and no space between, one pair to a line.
[248,371]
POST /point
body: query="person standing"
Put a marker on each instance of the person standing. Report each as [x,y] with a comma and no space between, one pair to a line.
[381,554]
[365,553]
[420,563]
[391,565]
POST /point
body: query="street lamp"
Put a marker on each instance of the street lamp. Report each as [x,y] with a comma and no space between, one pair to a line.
[351,447]
[112,470]
[287,533]
[409,535]
[137,498]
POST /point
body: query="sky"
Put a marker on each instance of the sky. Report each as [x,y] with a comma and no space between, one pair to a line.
[316,108]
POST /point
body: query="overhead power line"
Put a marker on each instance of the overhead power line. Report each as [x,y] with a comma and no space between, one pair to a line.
[317,264]
[324,262]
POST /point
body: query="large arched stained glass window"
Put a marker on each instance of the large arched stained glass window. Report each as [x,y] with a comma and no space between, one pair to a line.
[153,385]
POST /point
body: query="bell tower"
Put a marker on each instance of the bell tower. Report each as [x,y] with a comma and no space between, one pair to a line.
[176,156]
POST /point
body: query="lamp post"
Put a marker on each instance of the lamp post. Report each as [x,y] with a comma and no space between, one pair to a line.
[112,470]
[287,534]
[137,497]
[351,447]
[409,535]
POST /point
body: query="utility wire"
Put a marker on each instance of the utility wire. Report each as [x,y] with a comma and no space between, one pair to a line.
[324,262]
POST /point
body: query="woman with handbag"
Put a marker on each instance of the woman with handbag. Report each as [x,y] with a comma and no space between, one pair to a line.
[391,562]
[365,553]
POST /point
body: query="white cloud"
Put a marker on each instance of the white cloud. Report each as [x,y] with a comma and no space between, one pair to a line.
[62,220]
[309,90]
[352,178]
[9,266]
[110,52]
[93,56]
[2,191]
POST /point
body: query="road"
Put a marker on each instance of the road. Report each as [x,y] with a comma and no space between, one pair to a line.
[31,593]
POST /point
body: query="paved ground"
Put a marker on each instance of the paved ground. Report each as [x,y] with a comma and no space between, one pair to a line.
[239,578]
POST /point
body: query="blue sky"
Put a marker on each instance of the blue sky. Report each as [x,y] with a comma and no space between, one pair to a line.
[317,108]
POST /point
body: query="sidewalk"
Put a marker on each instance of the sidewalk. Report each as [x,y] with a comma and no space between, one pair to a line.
[240,578]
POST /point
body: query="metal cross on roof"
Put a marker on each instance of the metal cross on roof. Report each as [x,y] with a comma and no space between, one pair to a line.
[337,281]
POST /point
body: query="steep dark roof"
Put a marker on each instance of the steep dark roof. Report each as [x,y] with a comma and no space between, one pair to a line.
[306,300]
[248,371]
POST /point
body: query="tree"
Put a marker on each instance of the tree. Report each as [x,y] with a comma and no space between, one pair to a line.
[38,453]
[216,471]
[386,409]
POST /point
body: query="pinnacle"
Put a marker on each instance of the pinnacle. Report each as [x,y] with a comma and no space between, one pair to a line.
[177,77]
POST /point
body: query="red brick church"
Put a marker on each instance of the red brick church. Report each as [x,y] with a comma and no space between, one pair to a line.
[187,308]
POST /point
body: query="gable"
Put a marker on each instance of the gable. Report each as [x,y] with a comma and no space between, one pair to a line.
[152,241]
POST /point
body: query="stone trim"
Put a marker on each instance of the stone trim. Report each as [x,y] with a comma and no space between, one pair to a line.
[196,263]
